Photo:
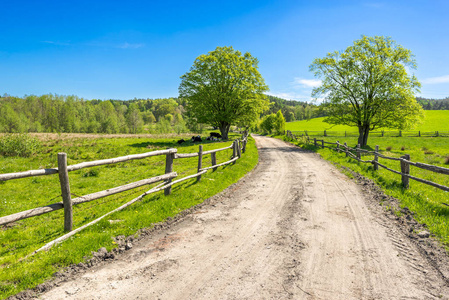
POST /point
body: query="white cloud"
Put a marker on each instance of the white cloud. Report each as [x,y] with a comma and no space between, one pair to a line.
[308,83]
[57,43]
[293,96]
[436,80]
[127,45]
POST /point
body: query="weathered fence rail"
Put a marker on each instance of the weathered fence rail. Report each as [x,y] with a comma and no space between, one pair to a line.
[68,202]
[405,162]
[399,133]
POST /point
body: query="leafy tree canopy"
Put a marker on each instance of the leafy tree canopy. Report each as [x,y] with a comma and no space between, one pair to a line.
[224,88]
[367,86]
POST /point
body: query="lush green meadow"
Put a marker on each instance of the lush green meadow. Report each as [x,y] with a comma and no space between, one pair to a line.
[25,236]
[429,204]
[435,120]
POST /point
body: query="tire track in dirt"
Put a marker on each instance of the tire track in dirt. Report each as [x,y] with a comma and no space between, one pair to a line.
[294,228]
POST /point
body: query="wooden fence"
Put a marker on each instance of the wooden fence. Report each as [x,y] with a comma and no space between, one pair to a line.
[238,146]
[382,133]
[405,162]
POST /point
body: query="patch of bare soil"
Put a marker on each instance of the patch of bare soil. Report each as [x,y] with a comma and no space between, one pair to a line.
[294,228]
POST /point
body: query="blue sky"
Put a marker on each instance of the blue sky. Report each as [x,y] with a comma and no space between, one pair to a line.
[128,49]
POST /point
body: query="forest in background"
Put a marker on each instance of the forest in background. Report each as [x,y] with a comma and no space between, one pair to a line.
[55,113]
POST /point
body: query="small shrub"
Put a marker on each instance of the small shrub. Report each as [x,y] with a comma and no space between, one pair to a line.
[389,148]
[22,145]
[446,160]
[402,148]
[92,173]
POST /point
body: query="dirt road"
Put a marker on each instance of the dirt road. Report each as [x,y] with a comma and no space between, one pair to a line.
[295,228]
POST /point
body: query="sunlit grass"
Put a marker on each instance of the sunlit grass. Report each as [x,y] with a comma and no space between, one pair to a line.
[435,120]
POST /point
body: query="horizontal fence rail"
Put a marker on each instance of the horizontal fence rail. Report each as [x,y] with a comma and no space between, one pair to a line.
[238,146]
[399,133]
[405,162]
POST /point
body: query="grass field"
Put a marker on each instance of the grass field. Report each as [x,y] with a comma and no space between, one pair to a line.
[25,236]
[435,120]
[429,204]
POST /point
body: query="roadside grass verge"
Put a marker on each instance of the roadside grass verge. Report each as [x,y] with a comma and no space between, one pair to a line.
[429,204]
[25,236]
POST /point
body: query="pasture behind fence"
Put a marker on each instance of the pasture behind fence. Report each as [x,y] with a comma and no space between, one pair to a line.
[404,161]
[238,147]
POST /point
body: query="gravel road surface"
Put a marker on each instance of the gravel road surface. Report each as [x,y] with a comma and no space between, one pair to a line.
[294,228]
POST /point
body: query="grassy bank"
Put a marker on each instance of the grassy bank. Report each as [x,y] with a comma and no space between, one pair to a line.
[25,236]
[435,120]
[428,203]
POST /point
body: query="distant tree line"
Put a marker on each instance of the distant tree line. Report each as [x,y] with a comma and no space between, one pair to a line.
[434,104]
[293,110]
[54,113]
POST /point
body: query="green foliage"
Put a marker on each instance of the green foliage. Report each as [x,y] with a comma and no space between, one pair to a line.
[279,123]
[18,273]
[134,119]
[22,145]
[53,113]
[434,104]
[224,88]
[267,123]
[367,86]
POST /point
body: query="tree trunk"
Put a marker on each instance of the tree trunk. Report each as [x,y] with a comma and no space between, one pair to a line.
[363,135]
[224,129]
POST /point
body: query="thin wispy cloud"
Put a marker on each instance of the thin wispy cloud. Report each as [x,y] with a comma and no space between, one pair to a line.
[57,43]
[291,96]
[436,80]
[307,83]
[127,45]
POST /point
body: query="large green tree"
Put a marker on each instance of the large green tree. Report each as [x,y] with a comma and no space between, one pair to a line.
[224,88]
[367,86]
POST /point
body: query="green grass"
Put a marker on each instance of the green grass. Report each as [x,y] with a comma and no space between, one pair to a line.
[435,120]
[25,236]
[425,201]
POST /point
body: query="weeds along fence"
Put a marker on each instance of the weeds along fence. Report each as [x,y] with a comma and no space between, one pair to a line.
[238,147]
[405,162]
[399,133]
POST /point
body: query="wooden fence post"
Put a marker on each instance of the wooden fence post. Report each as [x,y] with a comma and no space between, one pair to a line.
[244,144]
[419,133]
[437,133]
[239,151]
[213,157]
[346,149]
[405,169]
[168,169]
[322,144]
[314,141]
[325,134]
[345,133]
[234,149]
[376,158]
[200,161]
[65,191]
[400,133]
[338,147]
[357,152]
